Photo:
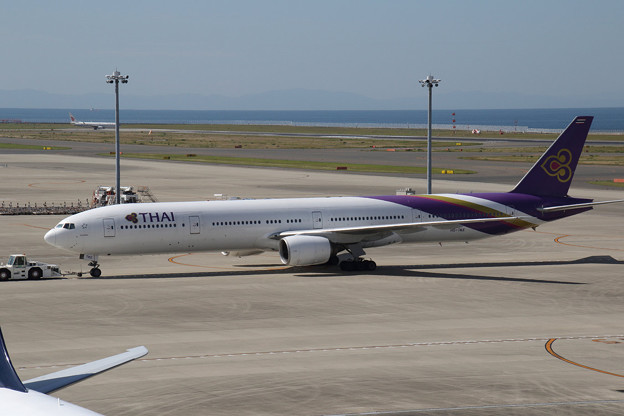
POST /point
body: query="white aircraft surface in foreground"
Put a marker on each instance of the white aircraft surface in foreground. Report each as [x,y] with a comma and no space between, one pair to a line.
[91,124]
[30,397]
[309,231]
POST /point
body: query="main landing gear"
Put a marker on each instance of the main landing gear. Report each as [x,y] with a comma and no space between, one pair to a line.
[356,262]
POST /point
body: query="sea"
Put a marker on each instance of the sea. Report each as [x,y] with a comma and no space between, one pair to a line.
[523,120]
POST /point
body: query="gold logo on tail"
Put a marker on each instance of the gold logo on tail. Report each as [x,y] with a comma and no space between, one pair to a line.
[559,165]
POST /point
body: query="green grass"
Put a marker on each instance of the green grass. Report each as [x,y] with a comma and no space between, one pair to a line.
[355,131]
[364,131]
[30,147]
[216,140]
[608,183]
[36,126]
[589,160]
[536,150]
[290,164]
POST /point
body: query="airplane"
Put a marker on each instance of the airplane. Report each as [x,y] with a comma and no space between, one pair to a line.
[30,397]
[93,124]
[311,231]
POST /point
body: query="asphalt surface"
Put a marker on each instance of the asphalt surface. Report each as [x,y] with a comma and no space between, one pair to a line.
[529,323]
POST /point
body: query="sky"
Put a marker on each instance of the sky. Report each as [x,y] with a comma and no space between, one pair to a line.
[566,50]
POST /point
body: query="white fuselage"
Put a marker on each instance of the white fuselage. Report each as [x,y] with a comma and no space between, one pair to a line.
[32,403]
[242,225]
[93,124]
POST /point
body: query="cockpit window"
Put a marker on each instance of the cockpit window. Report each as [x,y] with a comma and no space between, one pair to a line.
[59,225]
[69,226]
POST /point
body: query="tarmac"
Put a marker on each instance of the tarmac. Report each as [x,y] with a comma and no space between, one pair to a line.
[528,323]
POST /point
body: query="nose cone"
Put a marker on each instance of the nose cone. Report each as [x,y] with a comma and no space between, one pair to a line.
[50,237]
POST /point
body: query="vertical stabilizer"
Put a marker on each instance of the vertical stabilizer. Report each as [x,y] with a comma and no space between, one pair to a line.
[553,172]
[8,377]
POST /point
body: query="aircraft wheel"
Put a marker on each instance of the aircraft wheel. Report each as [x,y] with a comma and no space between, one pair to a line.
[333,260]
[347,266]
[35,273]
[95,272]
[369,265]
[5,274]
[363,265]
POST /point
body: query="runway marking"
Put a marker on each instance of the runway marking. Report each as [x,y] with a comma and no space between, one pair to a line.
[484,407]
[35,184]
[554,354]
[351,348]
[558,240]
[369,347]
[35,226]
[174,261]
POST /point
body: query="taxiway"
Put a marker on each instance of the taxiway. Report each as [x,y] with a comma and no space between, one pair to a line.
[458,329]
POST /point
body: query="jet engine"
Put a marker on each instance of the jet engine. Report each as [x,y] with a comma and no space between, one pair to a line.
[304,250]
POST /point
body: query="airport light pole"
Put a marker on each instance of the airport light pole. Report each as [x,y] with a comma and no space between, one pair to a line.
[110,79]
[429,82]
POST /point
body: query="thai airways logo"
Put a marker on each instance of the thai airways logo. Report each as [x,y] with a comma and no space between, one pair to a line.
[150,217]
[559,165]
[132,218]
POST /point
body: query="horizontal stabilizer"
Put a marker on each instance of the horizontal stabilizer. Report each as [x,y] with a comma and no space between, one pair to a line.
[573,206]
[63,378]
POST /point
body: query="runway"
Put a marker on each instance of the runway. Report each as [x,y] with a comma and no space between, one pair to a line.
[529,323]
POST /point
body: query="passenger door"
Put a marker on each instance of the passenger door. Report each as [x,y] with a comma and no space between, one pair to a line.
[317,219]
[194,225]
[109,227]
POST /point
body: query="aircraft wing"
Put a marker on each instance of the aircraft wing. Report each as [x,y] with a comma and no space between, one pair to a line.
[63,378]
[573,206]
[382,229]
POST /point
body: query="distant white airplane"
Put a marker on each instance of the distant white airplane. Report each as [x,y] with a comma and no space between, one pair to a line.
[309,231]
[91,124]
[30,397]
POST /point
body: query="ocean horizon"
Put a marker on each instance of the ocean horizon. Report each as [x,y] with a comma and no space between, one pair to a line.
[608,119]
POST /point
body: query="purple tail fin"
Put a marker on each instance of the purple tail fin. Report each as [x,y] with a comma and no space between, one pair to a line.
[552,173]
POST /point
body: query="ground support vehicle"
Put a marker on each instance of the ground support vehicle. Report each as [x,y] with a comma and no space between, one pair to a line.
[19,267]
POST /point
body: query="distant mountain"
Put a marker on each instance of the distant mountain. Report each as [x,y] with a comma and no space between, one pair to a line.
[299,99]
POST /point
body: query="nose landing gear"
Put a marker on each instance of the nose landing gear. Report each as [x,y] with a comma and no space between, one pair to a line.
[95,269]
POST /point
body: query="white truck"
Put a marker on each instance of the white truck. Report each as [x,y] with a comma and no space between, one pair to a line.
[19,267]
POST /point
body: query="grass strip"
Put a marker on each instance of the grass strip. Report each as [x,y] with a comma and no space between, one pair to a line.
[292,164]
[525,151]
[584,160]
[30,147]
[449,134]
[608,183]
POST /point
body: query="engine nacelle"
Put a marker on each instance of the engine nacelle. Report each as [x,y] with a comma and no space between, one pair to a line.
[304,250]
